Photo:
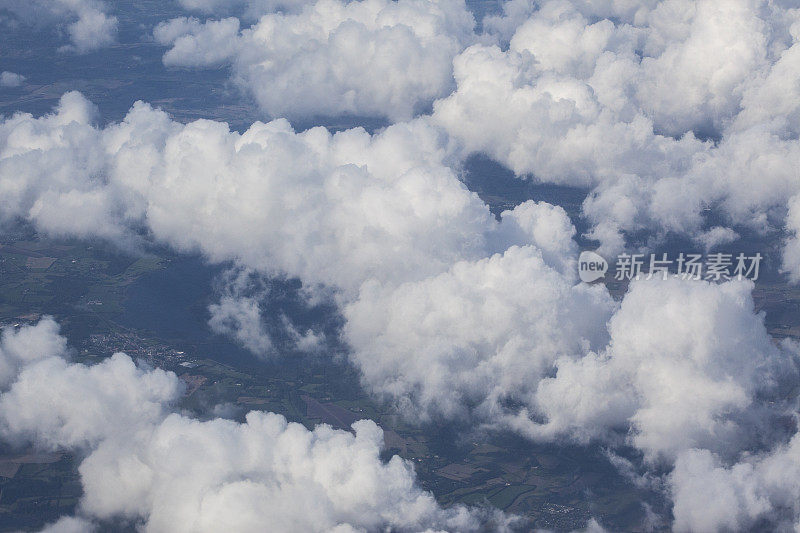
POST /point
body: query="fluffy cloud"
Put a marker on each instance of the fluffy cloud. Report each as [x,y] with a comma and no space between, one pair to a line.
[681,364]
[760,491]
[449,312]
[366,58]
[202,476]
[89,26]
[240,317]
[57,161]
[85,404]
[690,378]
[54,403]
[386,223]
[664,110]
[618,97]
[331,209]
[475,338]
[70,524]
[11,79]
[180,474]
[22,347]
[682,370]
[380,219]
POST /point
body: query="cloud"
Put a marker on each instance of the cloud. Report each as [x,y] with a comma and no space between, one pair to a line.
[691,384]
[197,44]
[26,345]
[70,524]
[11,79]
[367,58]
[238,313]
[202,476]
[242,313]
[660,109]
[690,378]
[59,159]
[87,23]
[471,340]
[56,404]
[450,313]
[758,491]
[331,209]
[665,111]
[179,474]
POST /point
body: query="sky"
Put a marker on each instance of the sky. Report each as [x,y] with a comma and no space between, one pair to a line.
[332,150]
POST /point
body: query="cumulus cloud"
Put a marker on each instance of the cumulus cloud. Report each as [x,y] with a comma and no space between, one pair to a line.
[240,313]
[11,79]
[69,524]
[26,345]
[690,384]
[450,313]
[380,218]
[661,109]
[179,474]
[52,402]
[665,111]
[240,317]
[475,338]
[196,44]
[760,491]
[692,380]
[53,413]
[87,23]
[202,476]
[337,210]
[331,209]
[61,158]
[366,58]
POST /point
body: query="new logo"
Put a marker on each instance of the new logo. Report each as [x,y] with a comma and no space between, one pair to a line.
[591,267]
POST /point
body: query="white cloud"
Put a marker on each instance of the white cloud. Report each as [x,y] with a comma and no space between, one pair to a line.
[197,44]
[204,476]
[238,314]
[83,405]
[691,378]
[717,236]
[47,400]
[365,58]
[684,366]
[331,209]
[26,345]
[179,474]
[450,313]
[69,524]
[88,24]
[791,253]
[760,490]
[473,339]
[50,168]
[11,79]
[610,95]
